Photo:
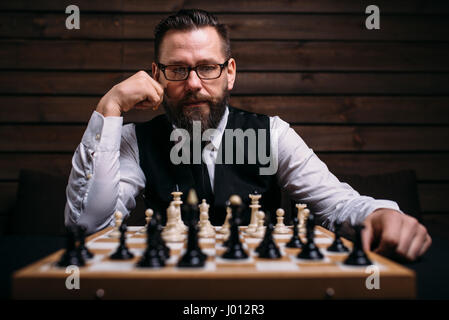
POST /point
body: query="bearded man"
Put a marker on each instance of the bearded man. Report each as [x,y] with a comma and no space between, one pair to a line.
[192,76]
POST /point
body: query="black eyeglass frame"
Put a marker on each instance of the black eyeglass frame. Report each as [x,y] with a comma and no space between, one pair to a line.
[189,68]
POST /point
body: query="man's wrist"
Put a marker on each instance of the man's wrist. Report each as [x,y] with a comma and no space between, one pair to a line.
[108,108]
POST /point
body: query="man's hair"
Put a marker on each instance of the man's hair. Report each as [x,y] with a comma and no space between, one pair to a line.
[189,19]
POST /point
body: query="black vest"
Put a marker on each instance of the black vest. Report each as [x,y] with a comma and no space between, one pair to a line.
[153,138]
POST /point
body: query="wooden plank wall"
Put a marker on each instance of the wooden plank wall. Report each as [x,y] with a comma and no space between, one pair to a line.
[367,101]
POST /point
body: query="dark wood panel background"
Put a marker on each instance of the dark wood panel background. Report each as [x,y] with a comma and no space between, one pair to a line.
[367,101]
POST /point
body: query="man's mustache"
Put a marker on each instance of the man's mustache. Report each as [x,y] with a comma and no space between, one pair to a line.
[195,99]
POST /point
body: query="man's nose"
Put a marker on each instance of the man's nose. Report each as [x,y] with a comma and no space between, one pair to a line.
[193,82]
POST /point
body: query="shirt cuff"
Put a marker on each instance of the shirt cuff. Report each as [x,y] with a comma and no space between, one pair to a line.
[378,204]
[103,133]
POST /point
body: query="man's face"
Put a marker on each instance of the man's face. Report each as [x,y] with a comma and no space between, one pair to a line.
[194,98]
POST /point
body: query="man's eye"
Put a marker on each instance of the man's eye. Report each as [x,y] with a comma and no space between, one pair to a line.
[179,70]
[207,68]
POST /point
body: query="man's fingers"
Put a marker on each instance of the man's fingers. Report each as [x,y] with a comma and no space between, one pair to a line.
[367,237]
[144,105]
[426,245]
[407,236]
[415,246]
[153,93]
[389,237]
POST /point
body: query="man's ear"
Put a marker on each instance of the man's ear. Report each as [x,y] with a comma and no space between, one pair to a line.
[155,71]
[231,72]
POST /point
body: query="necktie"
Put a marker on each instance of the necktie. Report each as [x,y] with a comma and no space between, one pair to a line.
[202,179]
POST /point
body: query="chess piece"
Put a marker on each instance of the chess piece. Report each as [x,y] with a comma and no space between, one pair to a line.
[171,232]
[226,226]
[235,248]
[295,240]
[85,253]
[152,256]
[178,202]
[267,248]
[122,252]
[193,257]
[148,216]
[358,257]
[118,217]
[255,206]
[71,256]
[337,245]
[310,251]
[260,231]
[280,227]
[302,216]
[206,228]
[161,243]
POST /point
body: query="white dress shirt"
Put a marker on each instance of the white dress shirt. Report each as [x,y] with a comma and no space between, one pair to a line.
[106,176]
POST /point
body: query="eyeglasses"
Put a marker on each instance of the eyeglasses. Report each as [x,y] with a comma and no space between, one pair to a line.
[203,71]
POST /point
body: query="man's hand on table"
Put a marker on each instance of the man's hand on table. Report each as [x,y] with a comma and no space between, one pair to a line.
[396,235]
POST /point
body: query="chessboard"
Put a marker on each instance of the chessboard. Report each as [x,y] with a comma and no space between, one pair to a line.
[253,278]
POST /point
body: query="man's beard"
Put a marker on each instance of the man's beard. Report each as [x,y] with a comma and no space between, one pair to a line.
[183,118]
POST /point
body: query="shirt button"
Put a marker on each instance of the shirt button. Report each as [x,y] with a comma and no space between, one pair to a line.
[97,137]
[89,176]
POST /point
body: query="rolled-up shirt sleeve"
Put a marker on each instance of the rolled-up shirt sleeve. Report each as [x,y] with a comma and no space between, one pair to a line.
[308,180]
[105,175]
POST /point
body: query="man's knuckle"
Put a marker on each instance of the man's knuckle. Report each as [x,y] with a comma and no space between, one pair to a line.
[141,73]
[390,241]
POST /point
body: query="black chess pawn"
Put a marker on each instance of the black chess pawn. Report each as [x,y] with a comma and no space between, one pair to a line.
[337,245]
[235,249]
[152,257]
[72,255]
[267,236]
[228,206]
[268,248]
[193,257]
[295,240]
[85,253]
[358,257]
[122,252]
[162,245]
[310,251]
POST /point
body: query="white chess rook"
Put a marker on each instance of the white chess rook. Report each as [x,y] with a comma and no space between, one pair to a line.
[301,217]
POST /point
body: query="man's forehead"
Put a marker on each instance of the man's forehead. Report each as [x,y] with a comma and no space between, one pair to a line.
[200,44]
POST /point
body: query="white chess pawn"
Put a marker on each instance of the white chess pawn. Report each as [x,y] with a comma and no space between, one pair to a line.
[148,216]
[118,216]
[280,227]
[206,228]
[171,232]
[260,231]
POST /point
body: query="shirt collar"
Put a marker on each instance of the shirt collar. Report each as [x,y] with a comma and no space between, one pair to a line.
[216,138]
